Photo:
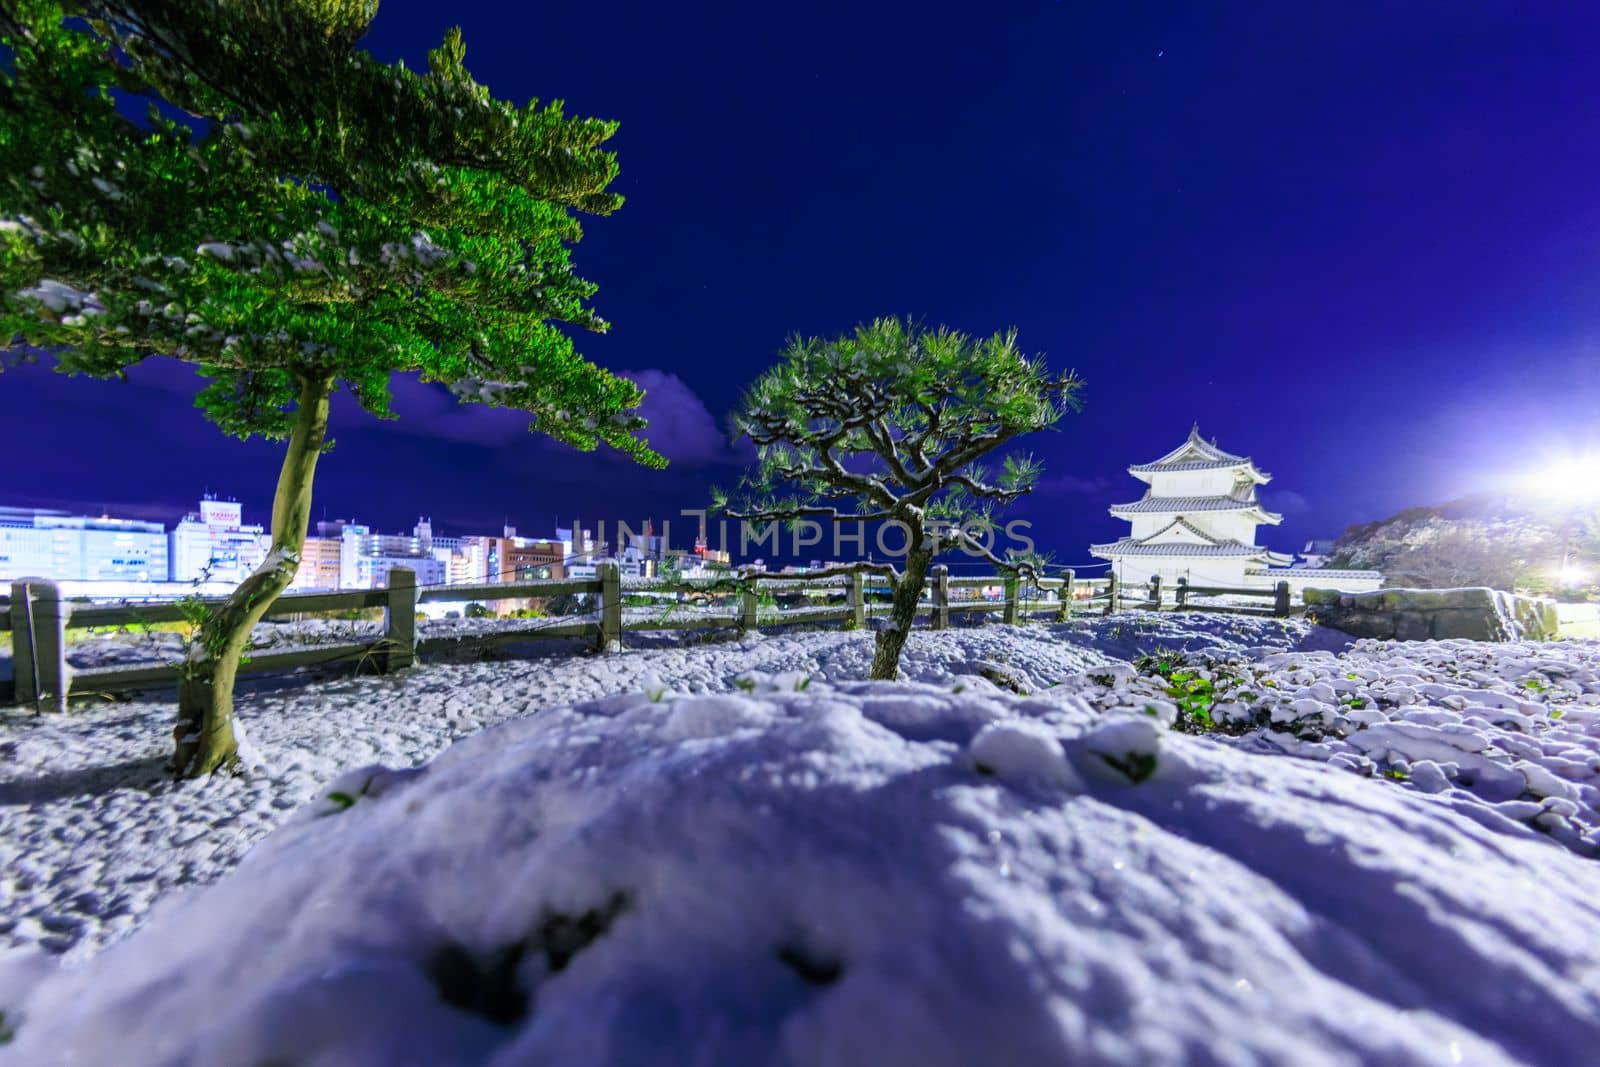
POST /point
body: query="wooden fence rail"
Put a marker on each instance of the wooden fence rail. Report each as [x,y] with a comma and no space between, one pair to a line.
[1281,606]
[38,618]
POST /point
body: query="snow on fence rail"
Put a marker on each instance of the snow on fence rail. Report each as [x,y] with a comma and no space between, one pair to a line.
[38,618]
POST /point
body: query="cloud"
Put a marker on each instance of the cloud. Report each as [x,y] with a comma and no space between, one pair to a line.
[429,410]
[681,427]
[1288,502]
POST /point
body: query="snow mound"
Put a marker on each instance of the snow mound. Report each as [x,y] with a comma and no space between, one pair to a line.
[1508,733]
[852,873]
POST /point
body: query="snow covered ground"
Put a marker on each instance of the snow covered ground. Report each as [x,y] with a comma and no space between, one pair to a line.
[93,831]
[107,647]
[121,647]
[737,852]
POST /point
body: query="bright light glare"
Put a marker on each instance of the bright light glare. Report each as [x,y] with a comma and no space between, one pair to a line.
[1575,478]
[1570,574]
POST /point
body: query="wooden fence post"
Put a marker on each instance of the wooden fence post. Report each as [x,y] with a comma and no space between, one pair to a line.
[1013,588]
[610,574]
[23,689]
[856,598]
[1183,593]
[749,605]
[1280,602]
[400,620]
[1111,593]
[38,645]
[1064,612]
[941,597]
[1155,593]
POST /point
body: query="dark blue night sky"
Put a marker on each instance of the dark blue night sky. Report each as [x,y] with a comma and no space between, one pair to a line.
[1359,242]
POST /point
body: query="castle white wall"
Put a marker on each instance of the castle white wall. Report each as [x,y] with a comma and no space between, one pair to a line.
[1220,525]
[1200,570]
[1237,573]
[1192,483]
[1147,524]
[1230,526]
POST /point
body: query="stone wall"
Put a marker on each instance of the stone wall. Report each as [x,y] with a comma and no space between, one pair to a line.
[1477,614]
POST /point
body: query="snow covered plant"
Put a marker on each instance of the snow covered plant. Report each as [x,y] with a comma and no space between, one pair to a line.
[886,425]
[329,220]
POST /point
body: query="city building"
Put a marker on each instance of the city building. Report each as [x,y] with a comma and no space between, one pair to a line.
[366,558]
[334,528]
[1198,519]
[642,553]
[462,563]
[320,564]
[525,559]
[580,549]
[578,544]
[62,547]
[214,544]
[711,557]
[475,560]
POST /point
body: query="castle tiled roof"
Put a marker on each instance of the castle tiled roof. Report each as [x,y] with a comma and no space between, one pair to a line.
[1187,465]
[1205,545]
[1198,454]
[1178,505]
[1129,547]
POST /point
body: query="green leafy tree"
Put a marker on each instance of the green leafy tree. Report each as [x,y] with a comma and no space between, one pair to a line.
[888,425]
[315,220]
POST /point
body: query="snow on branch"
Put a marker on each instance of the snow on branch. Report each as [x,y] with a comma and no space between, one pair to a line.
[895,417]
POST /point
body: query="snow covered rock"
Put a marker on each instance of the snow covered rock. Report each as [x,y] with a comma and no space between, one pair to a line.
[854,873]
[1475,614]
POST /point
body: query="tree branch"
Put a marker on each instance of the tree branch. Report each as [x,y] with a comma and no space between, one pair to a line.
[804,512]
[1025,569]
[842,571]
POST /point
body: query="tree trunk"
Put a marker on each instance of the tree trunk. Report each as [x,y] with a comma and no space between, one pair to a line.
[907,591]
[204,731]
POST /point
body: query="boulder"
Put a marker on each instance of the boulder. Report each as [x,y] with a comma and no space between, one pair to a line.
[1363,623]
[1471,625]
[1469,599]
[1549,618]
[1536,619]
[1412,626]
[1476,614]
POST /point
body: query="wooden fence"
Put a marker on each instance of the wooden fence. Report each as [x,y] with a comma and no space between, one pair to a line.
[38,618]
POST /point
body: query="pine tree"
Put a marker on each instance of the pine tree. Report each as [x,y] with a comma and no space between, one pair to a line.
[292,216]
[887,425]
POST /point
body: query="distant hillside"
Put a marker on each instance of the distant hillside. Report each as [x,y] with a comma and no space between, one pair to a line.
[1487,539]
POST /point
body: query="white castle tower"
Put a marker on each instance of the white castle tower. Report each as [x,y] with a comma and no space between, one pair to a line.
[1198,519]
